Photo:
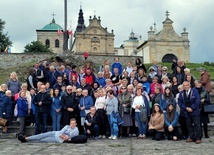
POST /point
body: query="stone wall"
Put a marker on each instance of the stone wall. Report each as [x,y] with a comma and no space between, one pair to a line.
[17,59]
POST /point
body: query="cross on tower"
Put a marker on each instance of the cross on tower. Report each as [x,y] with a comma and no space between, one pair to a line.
[53,14]
[167,14]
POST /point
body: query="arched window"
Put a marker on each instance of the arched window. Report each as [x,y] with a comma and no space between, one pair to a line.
[56,43]
[95,49]
[95,40]
[47,42]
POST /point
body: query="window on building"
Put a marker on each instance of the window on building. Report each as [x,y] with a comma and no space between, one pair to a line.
[95,40]
[47,43]
[56,43]
[95,49]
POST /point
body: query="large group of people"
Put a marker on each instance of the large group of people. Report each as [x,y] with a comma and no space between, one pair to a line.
[116,101]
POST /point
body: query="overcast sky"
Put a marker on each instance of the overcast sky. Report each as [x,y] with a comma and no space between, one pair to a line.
[23,17]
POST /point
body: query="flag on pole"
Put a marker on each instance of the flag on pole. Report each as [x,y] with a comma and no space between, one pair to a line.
[59,32]
[70,32]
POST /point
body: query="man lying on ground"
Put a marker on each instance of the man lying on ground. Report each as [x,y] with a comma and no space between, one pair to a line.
[67,134]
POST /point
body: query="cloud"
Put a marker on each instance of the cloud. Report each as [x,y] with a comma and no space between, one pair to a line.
[23,17]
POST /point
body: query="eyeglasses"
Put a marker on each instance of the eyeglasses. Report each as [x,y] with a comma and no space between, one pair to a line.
[164,70]
[69,89]
[123,88]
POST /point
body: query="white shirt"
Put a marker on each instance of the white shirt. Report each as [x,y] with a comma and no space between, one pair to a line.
[138,100]
[100,102]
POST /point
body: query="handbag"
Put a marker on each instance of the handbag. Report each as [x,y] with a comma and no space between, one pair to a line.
[3,122]
[209,108]
[126,110]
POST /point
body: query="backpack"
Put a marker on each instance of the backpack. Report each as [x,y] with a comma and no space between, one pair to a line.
[15,110]
[143,114]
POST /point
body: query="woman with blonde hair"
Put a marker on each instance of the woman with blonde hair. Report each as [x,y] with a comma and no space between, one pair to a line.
[100,105]
[24,87]
[13,84]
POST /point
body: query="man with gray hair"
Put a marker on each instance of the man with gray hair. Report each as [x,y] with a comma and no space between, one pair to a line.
[189,100]
[52,76]
[69,106]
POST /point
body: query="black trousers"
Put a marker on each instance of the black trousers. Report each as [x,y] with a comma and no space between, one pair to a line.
[172,133]
[103,121]
[194,127]
[66,116]
[184,130]
[156,134]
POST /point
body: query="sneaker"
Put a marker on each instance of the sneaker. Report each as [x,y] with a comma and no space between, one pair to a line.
[21,138]
[114,137]
[140,136]
[96,138]
[31,124]
[110,137]
[103,136]
[100,136]
[134,135]
[144,136]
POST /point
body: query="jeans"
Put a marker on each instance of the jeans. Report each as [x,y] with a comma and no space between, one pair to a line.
[142,127]
[194,127]
[43,137]
[41,118]
[56,118]
[94,131]
[113,127]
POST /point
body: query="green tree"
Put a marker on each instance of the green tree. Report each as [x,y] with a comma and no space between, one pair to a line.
[36,47]
[4,38]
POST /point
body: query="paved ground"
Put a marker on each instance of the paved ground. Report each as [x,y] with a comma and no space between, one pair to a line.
[130,146]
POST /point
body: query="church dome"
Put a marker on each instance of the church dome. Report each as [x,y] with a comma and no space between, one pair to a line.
[52,26]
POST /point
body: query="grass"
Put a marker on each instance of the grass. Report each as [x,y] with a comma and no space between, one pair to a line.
[194,68]
[22,72]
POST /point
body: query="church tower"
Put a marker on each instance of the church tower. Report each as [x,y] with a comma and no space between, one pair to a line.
[93,38]
[49,37]
[80,25]
[165,45]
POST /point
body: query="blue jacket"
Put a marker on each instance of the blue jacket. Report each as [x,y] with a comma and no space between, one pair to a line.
[174,122]
[22,107]
[2,95]
[55,104]
[194,101]
[146,104]
[52,77]
[116,65]
[87,102]
[8,107]
[164,102]
[146,87]
[33,106]
[101,81]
